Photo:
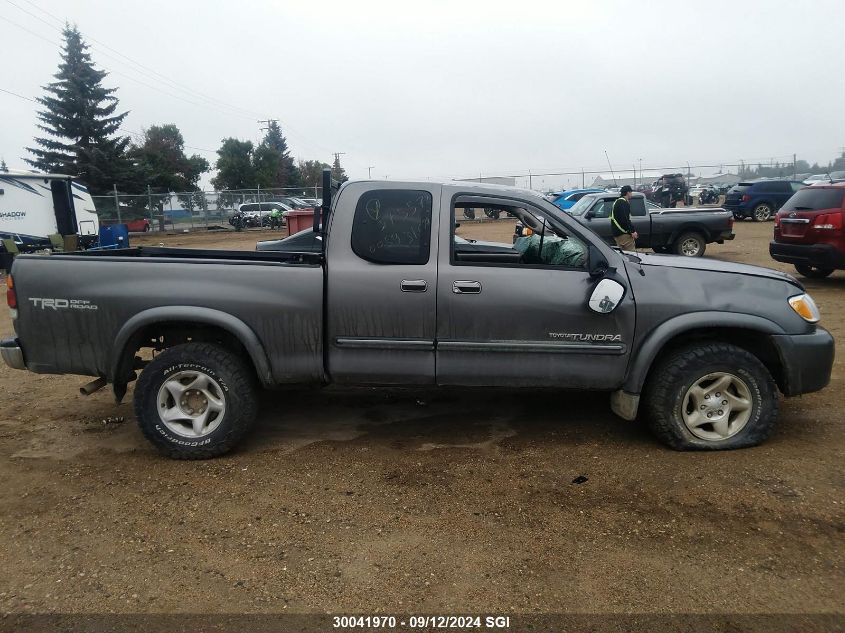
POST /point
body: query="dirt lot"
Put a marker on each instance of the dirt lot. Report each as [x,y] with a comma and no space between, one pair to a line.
[440,502]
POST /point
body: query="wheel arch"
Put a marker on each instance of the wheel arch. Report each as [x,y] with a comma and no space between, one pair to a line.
[689,227]
[162,320]
[760,201]
[750,332]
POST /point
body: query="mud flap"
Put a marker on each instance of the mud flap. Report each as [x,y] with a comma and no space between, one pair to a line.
[625,404]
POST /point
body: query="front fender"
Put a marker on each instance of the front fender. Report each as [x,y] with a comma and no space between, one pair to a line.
[120,365]
[644,355]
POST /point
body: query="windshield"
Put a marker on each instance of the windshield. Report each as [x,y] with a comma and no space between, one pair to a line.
[582,205]
[815,199]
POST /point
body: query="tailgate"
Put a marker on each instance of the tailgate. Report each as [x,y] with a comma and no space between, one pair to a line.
[794,227]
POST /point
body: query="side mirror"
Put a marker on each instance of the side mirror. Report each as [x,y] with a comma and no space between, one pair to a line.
[606,296]
[589,215]
[598,264]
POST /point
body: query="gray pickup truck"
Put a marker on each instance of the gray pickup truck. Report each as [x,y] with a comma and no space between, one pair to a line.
[682,231]
[394,297]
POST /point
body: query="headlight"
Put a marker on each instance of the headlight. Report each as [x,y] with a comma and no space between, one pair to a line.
[805,307]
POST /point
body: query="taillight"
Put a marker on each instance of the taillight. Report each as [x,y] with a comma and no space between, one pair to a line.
[746,197]
[777,221]
[11,298]
[828,221]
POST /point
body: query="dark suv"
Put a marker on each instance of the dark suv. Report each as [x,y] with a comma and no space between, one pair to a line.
[809,231]
[759,199]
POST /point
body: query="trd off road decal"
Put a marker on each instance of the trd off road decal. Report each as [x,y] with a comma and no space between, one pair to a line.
[62,304]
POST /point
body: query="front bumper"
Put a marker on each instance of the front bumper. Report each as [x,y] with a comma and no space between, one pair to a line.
[12,353]
[807,361]
[816,255]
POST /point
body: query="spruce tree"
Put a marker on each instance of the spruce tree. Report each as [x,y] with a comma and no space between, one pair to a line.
[273,164]
[80,121]
[338,172]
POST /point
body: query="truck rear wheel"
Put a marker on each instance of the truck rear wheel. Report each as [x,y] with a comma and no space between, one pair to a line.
[711,396]
[195,401]
[690,245]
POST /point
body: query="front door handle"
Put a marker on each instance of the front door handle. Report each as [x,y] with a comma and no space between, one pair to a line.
[466,287]
[414,285]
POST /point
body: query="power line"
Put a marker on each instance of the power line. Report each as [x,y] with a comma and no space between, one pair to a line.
[15,94]
[146,71]
[124,130]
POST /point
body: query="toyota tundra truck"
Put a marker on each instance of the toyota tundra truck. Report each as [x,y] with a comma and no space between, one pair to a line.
[698,349]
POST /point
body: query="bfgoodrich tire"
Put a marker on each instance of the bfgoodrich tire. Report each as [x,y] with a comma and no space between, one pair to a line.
[195,401]
[711,396]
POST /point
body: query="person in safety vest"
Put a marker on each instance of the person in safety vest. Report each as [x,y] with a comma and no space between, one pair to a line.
[620,221]
[275,218]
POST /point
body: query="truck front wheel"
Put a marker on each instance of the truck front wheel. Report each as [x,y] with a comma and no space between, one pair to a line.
[195,401]
[711,396]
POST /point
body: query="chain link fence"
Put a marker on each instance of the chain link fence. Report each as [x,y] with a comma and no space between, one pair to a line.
[192,210]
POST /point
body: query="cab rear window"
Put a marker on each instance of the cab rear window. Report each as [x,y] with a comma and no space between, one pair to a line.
[815,199]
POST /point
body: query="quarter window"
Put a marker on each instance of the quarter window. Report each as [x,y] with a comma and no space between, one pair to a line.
[393,226]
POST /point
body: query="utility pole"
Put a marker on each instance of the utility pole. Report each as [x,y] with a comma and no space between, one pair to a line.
[794,163]
[370,171]
[530,182]
[117,205]
[641,171]
[268,122]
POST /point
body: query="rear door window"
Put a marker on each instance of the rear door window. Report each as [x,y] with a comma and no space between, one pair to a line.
[815,199]
[638,206]
[393,226]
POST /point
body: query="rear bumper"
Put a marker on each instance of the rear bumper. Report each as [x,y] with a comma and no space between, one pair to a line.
[816,255]
[12,353]
[807,361]
[725,235]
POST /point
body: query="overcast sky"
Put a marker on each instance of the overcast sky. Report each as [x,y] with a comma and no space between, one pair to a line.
[457,89]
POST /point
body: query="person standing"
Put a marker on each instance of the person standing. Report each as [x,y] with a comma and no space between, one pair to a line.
[620,220]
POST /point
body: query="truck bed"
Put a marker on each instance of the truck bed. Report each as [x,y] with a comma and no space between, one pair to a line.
[78,311]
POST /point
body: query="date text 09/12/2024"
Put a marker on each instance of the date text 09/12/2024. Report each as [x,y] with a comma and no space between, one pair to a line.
[421,621]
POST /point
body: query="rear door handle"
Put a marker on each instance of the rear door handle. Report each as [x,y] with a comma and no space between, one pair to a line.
[414,285]
[466,287]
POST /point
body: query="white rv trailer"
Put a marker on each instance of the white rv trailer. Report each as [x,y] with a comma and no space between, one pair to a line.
[36,205]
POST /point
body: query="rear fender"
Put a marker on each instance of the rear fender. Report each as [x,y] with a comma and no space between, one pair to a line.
[122,358]
[692,227]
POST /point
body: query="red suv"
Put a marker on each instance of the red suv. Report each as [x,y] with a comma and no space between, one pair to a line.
[809,231]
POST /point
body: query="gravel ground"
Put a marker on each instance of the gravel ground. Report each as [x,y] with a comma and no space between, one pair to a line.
[398,502]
